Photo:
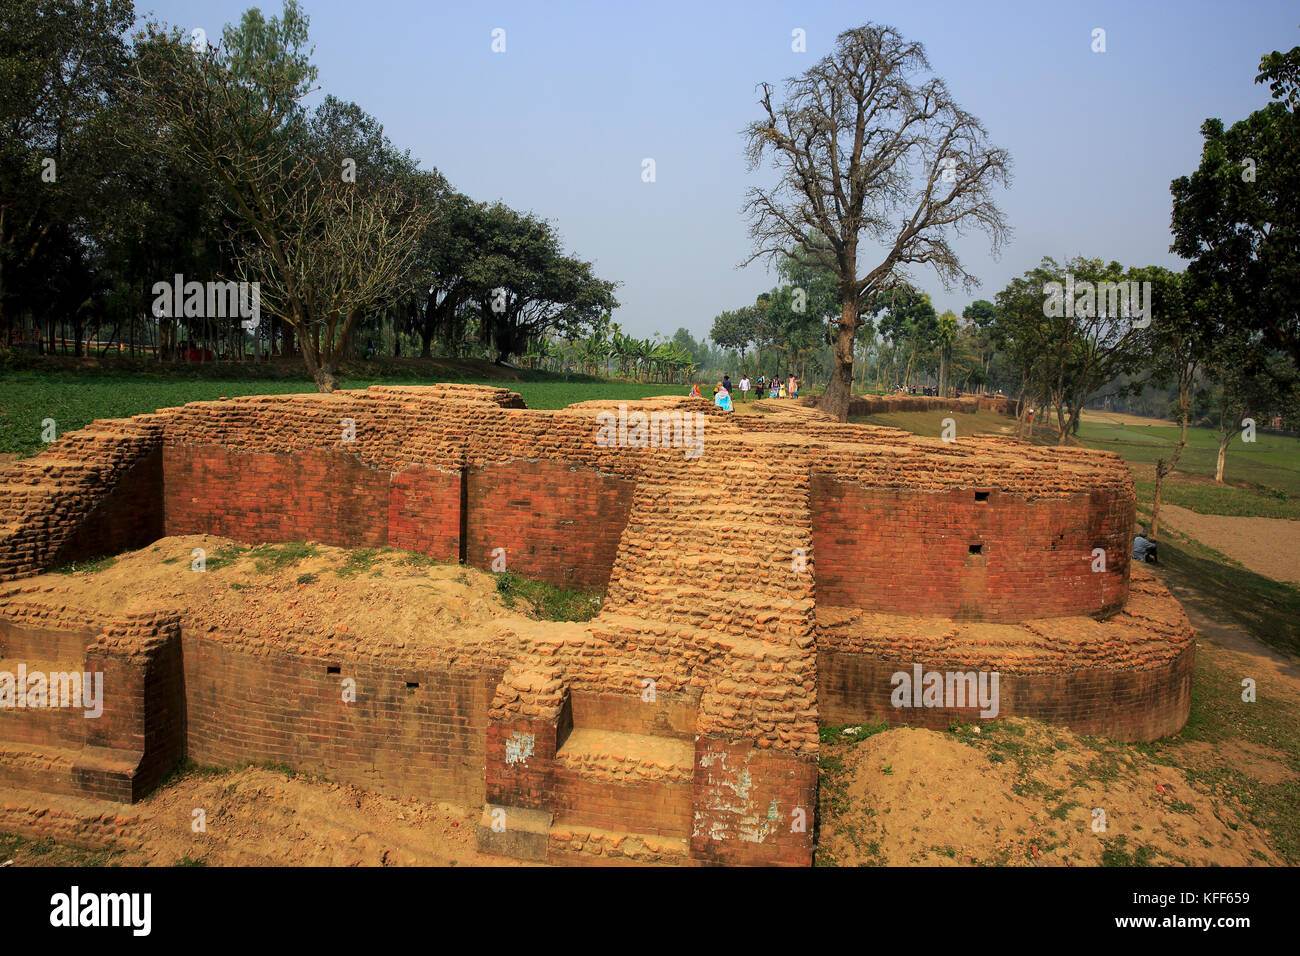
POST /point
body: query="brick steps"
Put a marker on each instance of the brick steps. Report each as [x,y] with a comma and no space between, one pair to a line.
[593,846]
[93,772]
[613,780]
[79,821]
[621,757]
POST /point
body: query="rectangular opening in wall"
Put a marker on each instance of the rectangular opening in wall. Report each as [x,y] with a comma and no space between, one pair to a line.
[981,496]
[977,549]
[412,686]
[333,670]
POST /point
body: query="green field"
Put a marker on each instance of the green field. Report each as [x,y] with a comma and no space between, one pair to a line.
[74,399]
[1262,478]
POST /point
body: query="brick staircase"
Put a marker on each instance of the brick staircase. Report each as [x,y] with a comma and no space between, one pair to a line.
[709,600]
[52,749]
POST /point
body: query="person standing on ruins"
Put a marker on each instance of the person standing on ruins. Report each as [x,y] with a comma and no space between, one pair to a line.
[744,388]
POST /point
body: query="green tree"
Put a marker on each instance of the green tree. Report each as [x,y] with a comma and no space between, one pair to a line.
[1237,217]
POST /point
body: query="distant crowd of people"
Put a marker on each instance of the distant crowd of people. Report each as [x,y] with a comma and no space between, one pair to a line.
[762,387]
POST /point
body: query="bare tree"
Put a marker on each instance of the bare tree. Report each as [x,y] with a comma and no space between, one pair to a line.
[869,145]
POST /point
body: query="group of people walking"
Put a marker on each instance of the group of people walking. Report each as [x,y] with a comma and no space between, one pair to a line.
[774,387]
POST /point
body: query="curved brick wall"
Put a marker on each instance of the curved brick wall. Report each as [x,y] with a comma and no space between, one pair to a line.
[894,550]
[1128,677]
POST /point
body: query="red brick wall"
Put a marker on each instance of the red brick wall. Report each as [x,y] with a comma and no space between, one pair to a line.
[647,806]
[530,781]
[424,512]
[1121,704]
[556,521]
[313,495]
[280,707]
[745,803]
[908,552]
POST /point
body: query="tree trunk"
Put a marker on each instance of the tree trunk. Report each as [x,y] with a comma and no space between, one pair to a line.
[839,390]
[1225,436]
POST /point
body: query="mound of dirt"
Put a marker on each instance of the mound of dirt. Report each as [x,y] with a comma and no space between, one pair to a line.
[1021,793]
[376,597]
[261,817]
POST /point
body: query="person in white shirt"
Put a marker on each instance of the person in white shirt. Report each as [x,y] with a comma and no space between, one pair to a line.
[744,388]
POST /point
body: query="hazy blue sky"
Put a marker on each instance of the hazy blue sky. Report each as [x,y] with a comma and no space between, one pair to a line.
[560,122]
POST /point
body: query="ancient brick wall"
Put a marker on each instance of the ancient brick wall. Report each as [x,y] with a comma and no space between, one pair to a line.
[555,521]
[1127,677]
[1132,705]
[271,705]
[970,553]
[768,582]
[312,495]
[122,753]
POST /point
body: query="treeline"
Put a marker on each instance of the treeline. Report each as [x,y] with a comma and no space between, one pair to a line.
[1221,340]
[128,161]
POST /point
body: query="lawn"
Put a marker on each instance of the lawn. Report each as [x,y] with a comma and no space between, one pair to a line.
[74,399]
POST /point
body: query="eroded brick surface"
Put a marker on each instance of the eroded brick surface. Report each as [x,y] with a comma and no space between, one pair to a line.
[778,578]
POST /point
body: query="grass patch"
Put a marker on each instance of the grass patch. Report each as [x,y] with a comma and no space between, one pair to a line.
[88,566]
[546,602]
[1264,608]
[1226,500]
[274,557]
[225,556]
[1116,853]
[76,398]
[45,852]
[359,561]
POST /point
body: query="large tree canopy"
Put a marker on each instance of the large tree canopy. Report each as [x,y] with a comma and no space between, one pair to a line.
[1237,217]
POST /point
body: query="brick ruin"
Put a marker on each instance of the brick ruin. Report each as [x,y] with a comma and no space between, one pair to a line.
[773,582]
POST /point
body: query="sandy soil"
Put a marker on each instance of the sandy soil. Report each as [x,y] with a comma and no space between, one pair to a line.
[258,817]
[388,600]
[1267,546]
[928,798]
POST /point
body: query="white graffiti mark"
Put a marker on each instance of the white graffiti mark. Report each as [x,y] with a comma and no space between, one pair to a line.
[519,748]
[710,757]
[721,815]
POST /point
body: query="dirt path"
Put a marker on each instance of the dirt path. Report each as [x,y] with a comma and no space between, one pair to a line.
[1122,418]
[1267,546]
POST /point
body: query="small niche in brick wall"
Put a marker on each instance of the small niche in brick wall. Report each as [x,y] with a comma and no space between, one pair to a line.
[333,670]
[981,496]
[977,549]
[412,685]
